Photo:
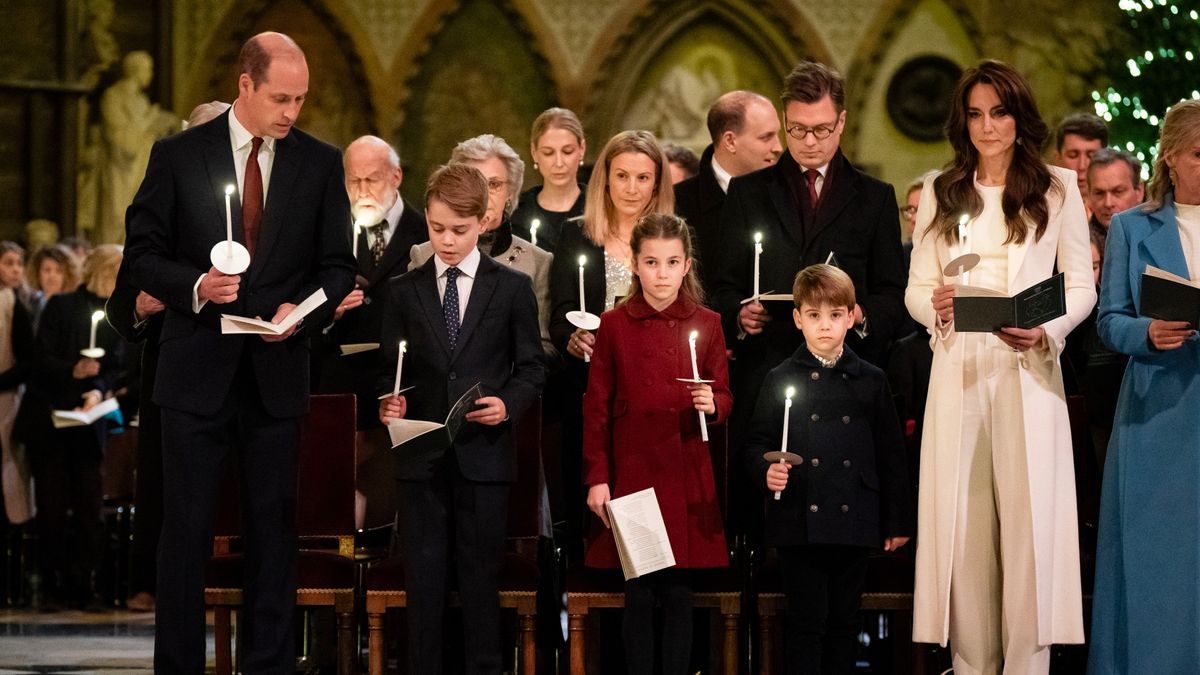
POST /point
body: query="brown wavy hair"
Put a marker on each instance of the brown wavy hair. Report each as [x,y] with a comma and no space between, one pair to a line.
[666,226]
[1028,178]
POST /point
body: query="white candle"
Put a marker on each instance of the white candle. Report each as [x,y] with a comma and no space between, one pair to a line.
[229,219]
[354,240]
[582,262]
[787,411]
[399,367]
[757,252]
[964,245]
[533,227]
[96,317]
[696,376]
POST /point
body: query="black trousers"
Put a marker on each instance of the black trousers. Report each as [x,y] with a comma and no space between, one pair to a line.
[824,586]
[68,480]
[670,588]
[147,499]
[194,451]
[444,514]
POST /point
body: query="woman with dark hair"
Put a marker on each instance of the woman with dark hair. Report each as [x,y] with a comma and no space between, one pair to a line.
[998,556]
[1146,609]
[557,146]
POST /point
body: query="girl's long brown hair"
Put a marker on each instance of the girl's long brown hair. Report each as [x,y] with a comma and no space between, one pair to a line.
[666,226]
[1028,179]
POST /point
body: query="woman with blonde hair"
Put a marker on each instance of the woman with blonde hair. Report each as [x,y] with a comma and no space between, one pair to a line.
[557,146]
[631,179]
[68,465]
[1146,607]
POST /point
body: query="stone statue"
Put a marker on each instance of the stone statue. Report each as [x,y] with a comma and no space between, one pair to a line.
[129,125]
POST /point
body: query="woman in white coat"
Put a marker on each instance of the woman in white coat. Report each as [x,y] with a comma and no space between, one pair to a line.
[997,557]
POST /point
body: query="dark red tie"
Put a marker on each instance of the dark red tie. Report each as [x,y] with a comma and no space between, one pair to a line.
[252,197]
[811,175]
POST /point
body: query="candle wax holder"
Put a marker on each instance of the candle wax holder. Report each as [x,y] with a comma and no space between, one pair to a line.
[775,456]
[584,320]
[961,265]
[230,257]
[93,352]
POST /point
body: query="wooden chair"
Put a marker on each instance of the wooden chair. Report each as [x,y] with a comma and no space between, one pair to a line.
[718,590]
[325,567]
[519,574]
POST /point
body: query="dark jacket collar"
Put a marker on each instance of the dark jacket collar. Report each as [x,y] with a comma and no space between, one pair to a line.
[500,239]
[849,363]
[681,309]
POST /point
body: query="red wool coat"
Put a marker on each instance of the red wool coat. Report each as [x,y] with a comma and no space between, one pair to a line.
[641,430]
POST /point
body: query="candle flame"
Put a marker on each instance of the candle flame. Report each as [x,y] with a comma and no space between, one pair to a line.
[229,189]
[582,260]
[791,391]
[403,346]
[962,220]
[695,334]
[97,315]
[758,237]
[535,224]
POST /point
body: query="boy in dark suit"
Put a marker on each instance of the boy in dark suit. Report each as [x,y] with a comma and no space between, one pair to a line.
[466,319]
[848,492]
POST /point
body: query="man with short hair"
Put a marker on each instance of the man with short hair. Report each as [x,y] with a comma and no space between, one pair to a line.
[1114,180]
[220,393]
[1076,139]
[744,127]
[390,227]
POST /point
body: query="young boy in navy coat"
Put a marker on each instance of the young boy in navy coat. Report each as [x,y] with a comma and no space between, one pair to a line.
[466,319]
[848,493]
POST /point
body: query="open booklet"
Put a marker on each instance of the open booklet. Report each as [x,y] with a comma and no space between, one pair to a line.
[82,418]
[1169,297]
[640,533]
[983,310]
[240,325]
[405,431]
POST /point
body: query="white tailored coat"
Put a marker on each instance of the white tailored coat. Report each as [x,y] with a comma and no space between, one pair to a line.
[1064,247]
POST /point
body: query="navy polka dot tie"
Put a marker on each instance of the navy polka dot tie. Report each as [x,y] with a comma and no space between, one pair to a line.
[450,305]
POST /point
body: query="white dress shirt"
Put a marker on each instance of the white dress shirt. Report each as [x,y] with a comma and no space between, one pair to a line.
[468,268]
[1187,218]
[723,177]
[392,218]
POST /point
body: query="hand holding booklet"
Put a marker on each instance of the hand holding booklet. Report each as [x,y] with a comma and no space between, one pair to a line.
[241,325]
[82,418]
[403,431]
[983,310]
[640,533]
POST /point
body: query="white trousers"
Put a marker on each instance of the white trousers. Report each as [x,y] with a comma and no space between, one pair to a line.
[993,598]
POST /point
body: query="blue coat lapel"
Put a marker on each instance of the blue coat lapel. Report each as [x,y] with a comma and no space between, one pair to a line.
[1162,248]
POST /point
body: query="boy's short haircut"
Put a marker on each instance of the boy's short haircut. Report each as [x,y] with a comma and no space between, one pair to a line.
[460,187]
[823,284]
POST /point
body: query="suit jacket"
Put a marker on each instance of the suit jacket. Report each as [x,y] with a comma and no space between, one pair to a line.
[852,487]
[498,346]
[522,256]
[698,200]
[303,244]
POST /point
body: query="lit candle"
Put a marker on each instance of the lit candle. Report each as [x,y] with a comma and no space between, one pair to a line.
[582,262]
[787,411]
[964,245]
[533,227]
[696,376]
[96,317]
[229,218]
[399,367]
[354,240]
[757,253]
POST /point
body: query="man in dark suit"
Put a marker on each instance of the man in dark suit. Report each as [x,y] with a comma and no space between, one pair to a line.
[466,319]
[811,203]
[744,127]
[390,227]
[220,392]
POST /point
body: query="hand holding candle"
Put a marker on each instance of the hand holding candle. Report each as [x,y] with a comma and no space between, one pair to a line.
[696,376]
[92,351]
[581,318]
[787,411]
[229,257]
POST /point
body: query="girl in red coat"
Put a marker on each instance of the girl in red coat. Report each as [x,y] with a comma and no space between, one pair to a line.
[641,430]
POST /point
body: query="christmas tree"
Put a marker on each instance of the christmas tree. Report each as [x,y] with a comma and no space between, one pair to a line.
[1161,68]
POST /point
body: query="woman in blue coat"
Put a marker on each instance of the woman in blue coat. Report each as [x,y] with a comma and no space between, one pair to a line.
[1146,610]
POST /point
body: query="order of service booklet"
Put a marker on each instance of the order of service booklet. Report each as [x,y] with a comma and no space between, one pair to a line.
[640,534]
[241,325]
[404,431]
[82,418]
[1169,297]
[983,310]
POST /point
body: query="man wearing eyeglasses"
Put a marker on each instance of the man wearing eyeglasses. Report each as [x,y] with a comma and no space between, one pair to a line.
[812,203]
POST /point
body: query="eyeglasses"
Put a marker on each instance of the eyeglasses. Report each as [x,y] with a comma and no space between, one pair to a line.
[908,210]
[494,185]
[799,131]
